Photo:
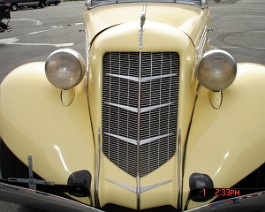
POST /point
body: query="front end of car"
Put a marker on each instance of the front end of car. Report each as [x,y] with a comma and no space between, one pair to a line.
[141,93]
[143,122]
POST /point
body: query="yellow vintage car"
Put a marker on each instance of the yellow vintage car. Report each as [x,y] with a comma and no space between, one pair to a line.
[151,118]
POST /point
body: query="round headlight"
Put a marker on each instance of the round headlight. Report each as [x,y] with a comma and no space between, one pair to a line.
[64,68]
[217,70]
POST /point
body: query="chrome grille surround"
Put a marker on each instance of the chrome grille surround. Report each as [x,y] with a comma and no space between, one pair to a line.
[139,128]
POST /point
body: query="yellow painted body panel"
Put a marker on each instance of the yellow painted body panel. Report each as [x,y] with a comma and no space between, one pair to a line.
[33,121]
[186,18]
[228,143]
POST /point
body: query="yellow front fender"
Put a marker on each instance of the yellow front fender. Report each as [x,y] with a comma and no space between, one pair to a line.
[228,143]
[34,121]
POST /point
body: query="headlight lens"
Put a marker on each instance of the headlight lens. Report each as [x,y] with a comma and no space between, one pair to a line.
[64,68]
[217,70]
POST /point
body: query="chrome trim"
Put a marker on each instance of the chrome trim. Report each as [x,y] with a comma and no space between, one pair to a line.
[202,42]
[97,172]
[87,54]
[135,79]
[150,187]
[143,79]
[143,17]
[150,140]
[122,138]
[137,110]
[142,189]
[140,39]
[142,22]
[132,109]
[138,159]
[147,109]
[179,169]
[142,142]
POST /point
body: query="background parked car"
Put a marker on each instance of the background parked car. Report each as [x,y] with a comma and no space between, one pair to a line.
[16,4]
[55,2]
[4,3]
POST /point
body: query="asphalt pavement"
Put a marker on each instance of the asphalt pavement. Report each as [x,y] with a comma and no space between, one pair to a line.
[239,28]
[37,32]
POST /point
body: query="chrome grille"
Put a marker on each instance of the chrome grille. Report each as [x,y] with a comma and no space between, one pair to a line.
[140,88]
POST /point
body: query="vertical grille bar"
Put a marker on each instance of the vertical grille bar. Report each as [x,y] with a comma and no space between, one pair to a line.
[140,99]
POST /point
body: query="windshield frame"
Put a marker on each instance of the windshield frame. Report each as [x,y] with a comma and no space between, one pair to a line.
[96,3]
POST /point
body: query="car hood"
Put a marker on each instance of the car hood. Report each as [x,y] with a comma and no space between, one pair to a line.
[190,19]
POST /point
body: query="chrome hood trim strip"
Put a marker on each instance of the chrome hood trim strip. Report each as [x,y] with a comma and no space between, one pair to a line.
[142,142]
[142,110]
[143,79]
[141,189]
[97,171]
[203,40]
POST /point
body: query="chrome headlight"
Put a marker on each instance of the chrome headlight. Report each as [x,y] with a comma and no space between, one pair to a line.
[217,70]
[64,68]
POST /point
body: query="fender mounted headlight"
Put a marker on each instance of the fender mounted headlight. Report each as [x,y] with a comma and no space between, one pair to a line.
[64,68]
[216,70]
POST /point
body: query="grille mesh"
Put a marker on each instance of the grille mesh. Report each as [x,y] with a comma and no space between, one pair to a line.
[156,92]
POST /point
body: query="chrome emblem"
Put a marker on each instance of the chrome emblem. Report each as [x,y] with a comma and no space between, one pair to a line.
[142,22]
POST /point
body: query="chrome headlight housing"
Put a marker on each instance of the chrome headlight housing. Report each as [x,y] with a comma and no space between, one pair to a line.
[217,70]
[65,68]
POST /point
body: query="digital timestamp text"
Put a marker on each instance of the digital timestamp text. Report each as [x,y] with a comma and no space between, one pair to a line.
[226,192]
[223,192]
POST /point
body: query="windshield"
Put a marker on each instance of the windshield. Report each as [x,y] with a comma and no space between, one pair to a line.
[93,3]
